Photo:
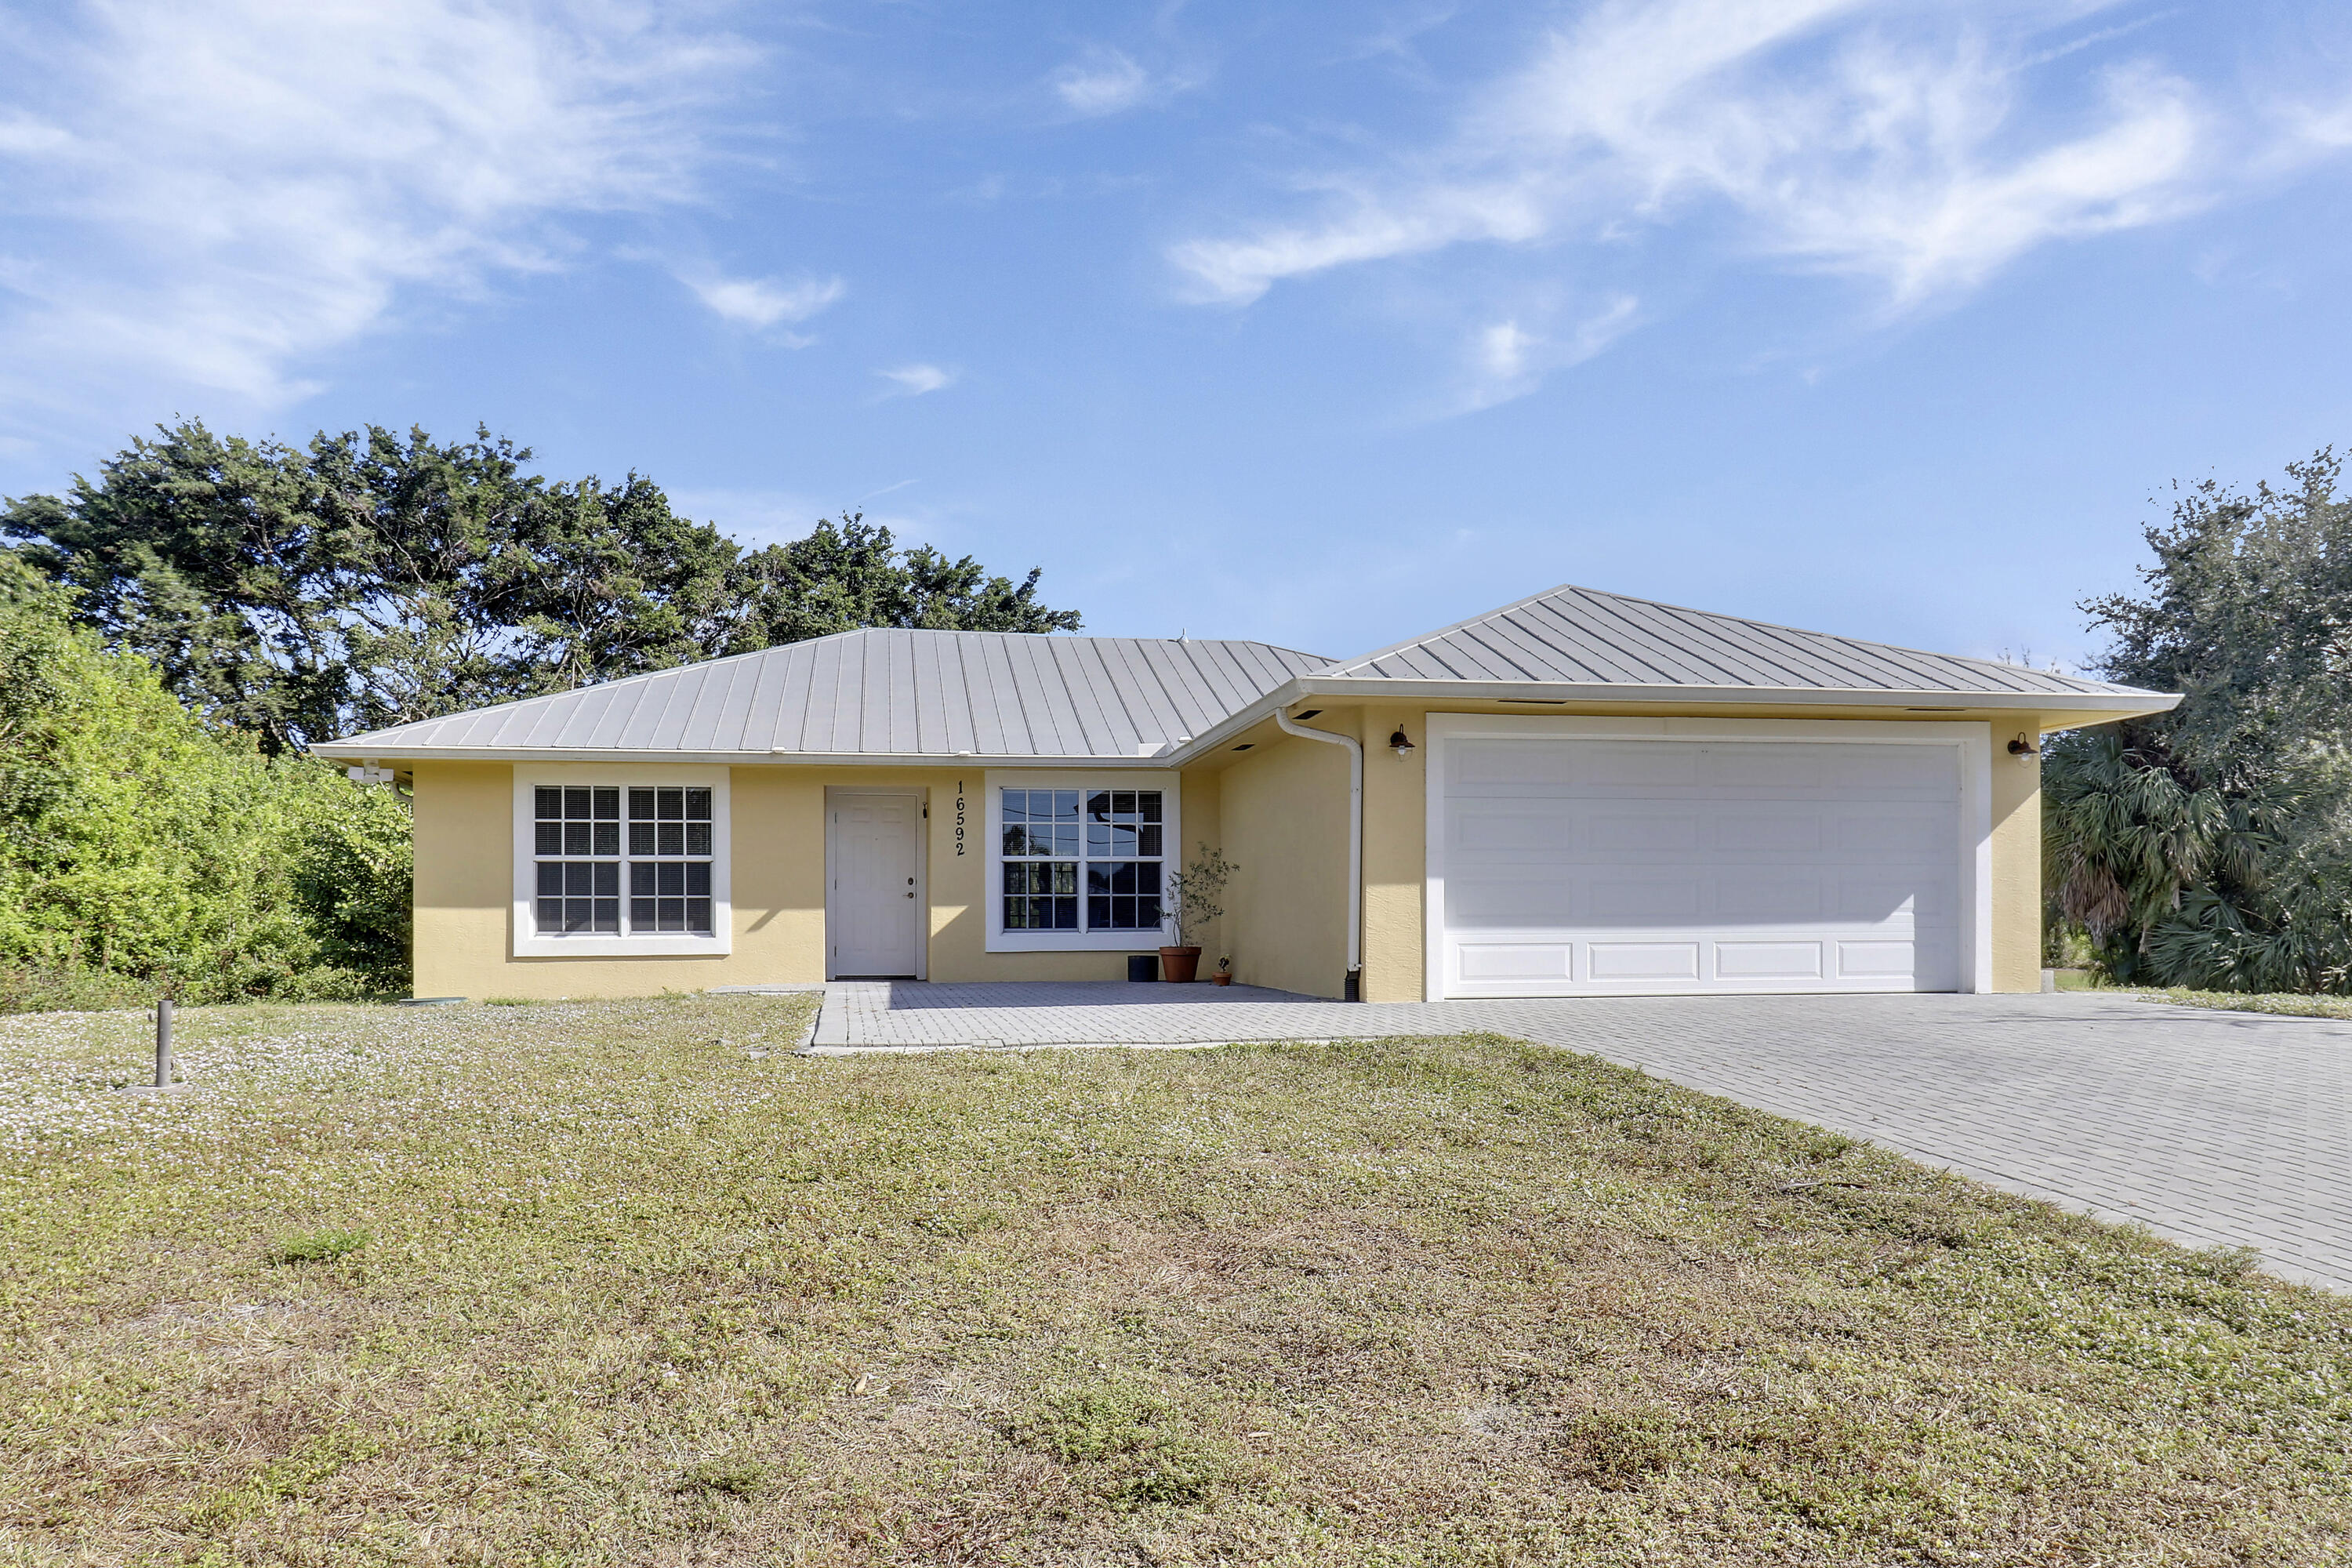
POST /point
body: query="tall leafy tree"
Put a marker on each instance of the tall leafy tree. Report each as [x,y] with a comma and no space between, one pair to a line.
[209,558]
[853,573]
[2212,846]
[2248,613]
[370,578]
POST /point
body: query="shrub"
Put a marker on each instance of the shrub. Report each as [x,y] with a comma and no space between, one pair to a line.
[140,843]
[36,988]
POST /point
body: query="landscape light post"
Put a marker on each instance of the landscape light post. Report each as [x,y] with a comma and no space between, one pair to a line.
[163,1042]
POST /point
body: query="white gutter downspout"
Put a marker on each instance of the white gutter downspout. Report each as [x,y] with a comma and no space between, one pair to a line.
[1355,841]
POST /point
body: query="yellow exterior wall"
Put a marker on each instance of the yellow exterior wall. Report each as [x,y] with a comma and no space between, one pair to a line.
[1204,824]
[465,871]
[1279,811]
[464,827]
[958,884]
[1284,820]
[2016,868]
[1396,859]
[465,893]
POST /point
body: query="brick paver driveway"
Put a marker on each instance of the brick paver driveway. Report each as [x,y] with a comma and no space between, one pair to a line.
[2212,1128]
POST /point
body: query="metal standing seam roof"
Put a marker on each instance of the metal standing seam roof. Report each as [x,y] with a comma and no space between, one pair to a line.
[887,692]
[1583,637]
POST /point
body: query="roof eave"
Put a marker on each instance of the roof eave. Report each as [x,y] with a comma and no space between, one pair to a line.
[2092,707]
[361,751]
[2120,701]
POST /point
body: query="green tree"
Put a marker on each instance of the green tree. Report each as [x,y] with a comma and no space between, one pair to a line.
[139,840]
[2248,613]
[852,574]
[370,578]
[2212,846]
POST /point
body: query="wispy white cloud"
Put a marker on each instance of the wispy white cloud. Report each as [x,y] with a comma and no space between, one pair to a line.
[1509,358]
[761,303]
[210,195]
[1395,36]
[754,516]
[1103,81]
[761,517]
[914,380]
[2075,45]
[1900,143]
[2322,127]
[21,134]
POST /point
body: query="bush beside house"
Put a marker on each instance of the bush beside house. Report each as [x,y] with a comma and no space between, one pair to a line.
[145,850]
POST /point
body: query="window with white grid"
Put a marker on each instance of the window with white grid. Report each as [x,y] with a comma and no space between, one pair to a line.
[1079,860]
[588,841]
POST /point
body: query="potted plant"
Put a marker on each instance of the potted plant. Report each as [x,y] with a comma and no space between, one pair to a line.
[1190,904]
[1224,975]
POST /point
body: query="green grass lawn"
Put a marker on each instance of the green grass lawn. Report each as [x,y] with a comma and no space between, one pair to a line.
[629,1283]
[2285,1004]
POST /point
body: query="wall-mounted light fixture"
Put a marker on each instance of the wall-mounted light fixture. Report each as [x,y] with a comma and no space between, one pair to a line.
[2024,747]
[1400,742]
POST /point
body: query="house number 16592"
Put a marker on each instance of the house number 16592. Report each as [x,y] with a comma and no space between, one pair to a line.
[959,817]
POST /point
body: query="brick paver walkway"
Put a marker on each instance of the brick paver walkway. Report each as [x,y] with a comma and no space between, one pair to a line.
[2209,1127]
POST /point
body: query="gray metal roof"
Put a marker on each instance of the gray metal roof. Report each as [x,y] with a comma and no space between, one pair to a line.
[1586,638]
[887,692]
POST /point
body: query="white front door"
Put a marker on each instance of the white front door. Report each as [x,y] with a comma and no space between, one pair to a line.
[1582,867]
[874,903]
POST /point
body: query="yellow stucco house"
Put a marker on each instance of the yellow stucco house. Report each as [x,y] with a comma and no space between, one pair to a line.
[1578,793]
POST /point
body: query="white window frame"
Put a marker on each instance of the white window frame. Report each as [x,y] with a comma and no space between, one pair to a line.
[995,782]
[1971,851]
[530,943]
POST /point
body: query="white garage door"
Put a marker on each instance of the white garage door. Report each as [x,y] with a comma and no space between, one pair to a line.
[1579,867]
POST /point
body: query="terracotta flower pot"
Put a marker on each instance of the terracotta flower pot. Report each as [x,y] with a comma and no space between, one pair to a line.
[1223,977]
[1180,965]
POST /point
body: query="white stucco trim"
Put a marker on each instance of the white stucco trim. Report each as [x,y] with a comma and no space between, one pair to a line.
[527,940]
[996,781]
[1972,850]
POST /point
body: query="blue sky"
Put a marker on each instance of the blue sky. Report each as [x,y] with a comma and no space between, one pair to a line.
[1323,324]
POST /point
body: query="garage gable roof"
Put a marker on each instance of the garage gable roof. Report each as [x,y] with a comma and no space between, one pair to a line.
[883,692]
[1583,637]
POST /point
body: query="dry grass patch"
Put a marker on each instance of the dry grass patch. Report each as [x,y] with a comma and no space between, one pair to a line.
[609,1282]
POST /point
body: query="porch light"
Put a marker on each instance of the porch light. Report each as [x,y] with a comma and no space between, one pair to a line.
[1400,743]
[2022,747]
